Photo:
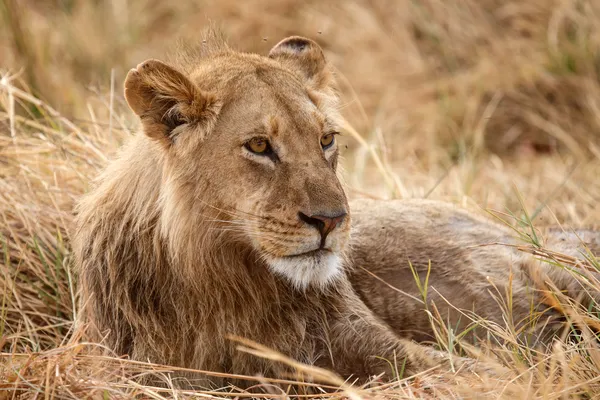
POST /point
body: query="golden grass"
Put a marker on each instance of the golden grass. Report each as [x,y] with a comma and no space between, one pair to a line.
[489,104]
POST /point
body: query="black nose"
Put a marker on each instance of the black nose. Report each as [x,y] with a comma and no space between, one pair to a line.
[324,224]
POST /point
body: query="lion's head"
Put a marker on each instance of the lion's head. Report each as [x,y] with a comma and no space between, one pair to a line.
[249,145]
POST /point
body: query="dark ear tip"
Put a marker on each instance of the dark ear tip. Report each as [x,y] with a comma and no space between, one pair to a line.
[297,43]
[294,44]
[303,55]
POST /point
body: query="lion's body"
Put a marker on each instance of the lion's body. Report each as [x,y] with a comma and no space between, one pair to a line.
[190,235]
[469,262]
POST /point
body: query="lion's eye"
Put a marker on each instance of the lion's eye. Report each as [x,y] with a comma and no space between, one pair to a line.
[258,145]
[327,140]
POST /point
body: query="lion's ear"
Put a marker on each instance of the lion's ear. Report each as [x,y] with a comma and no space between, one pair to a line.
[164,99]
[305,57]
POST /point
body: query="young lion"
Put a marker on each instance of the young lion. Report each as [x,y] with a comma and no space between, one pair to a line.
[226,217]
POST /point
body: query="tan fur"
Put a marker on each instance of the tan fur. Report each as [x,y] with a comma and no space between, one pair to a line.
[187,238]
[472,268]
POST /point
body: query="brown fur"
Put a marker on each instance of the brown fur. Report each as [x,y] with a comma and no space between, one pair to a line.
[187,238]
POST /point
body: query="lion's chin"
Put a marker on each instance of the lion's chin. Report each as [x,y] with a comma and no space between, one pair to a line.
[319,268]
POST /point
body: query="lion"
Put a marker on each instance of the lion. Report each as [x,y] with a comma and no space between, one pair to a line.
[226,216]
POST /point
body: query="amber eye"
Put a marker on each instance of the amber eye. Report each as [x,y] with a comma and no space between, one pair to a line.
[258,145]
[327,140]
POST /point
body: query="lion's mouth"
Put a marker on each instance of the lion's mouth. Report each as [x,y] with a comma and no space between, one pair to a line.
[311,253]
[319,266]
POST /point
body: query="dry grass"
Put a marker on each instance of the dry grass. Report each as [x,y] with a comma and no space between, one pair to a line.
[490,104]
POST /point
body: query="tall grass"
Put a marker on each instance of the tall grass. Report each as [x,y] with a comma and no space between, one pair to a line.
[493,105]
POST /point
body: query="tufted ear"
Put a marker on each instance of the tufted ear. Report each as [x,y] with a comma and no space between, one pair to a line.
[305,57]
[164,99]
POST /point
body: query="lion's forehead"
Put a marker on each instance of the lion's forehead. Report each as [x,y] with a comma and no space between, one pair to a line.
[277,112]
[234,72]
[255,89]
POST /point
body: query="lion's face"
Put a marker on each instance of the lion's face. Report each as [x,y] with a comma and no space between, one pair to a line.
[258,145]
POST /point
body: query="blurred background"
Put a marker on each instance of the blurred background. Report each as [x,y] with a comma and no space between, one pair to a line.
[456,99]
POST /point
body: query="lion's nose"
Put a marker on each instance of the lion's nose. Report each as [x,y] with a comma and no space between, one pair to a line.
[324,224]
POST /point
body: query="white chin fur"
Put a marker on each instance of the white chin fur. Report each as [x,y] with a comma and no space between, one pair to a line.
[311,270]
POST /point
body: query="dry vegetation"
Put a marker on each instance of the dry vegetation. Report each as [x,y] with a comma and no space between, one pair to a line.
[491,104]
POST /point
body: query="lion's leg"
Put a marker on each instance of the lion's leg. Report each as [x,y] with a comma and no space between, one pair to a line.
[362,346]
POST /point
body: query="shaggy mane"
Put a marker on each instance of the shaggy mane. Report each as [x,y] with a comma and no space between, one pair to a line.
[189,52]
